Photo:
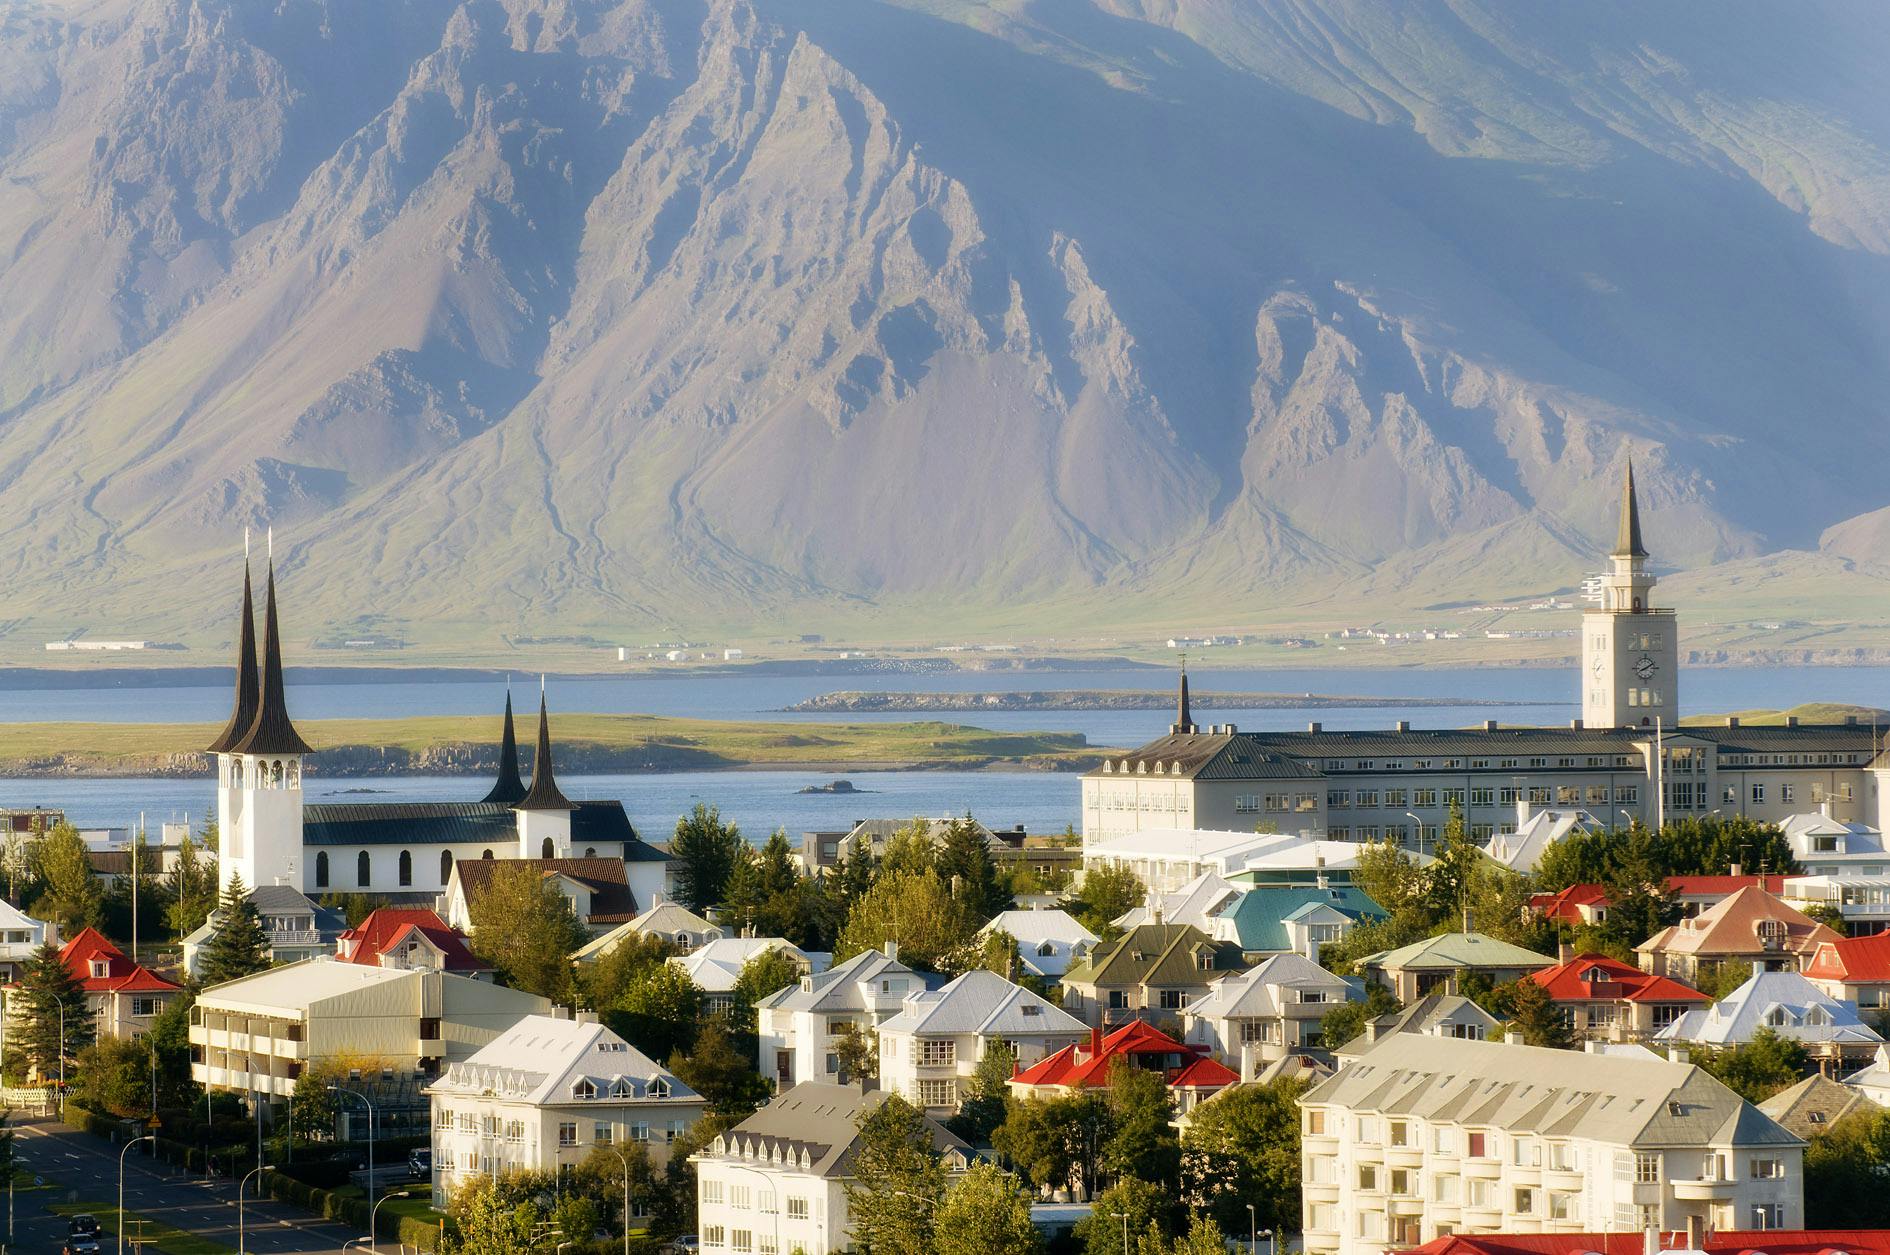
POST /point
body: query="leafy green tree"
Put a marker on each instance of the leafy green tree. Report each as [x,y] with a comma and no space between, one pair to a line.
[1845,1168]
[1348,1020]
[1242,1146]
[72,897]
[658,1011]
[1147,1211]
[706,851]
[910,850]
[192,884]
[898,1183]
[1449,879]
[916,910]
[1390,877]
[856,1053]
[312,1105]
[1055,1142]
[766,973]
[1204,1237]
[114,1076]
[33,1013]
[18,867]
[1527,1005]
[1109,891]
[603,979]
[1757,1069]
[964,861]
[497,1216]
[170,1038]
[986,1212]
[995,951]
[981,1108]
[238,946]
[1142,1142]
[526,928]
[723,1077]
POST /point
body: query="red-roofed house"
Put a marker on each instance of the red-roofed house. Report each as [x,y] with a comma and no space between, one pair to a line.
[1853,968]
[1574,906]
[1717,1242]
[410,937]
[1191,1074]
[1610,1000]
[124,997]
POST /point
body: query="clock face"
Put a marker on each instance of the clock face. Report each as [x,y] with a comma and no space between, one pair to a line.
[1600,665]
[1645,668]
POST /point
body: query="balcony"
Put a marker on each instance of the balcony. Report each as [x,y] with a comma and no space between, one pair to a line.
[1483,1169]
[1404,1156]
[293,937]
[1704,1189]
[1407,1205]
[1647,1193]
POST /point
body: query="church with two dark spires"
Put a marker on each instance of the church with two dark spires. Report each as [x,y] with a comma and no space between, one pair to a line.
[405,851]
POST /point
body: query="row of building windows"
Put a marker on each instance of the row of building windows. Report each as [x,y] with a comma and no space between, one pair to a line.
[743,1197]
[364,865]
[1276,803]
[1509,795]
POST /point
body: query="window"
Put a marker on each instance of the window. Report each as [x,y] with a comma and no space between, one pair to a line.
[583,1088]
[1768,1169]
[1758,793]
[1561,1206]
[1483,797]
[739,1196]
[363,868]
[1400,1133]
[406,868]
[1368,1177]
[601,1133]
[640,1131]
[937,1052]
[1647,1169]
[1338,799]
[796,1208]
[1525,1202]
[567,1133]
[1367,797]
[1316,1123]
[712,1235]
[711,1192]
[1768,1215]
[1422,798]
[101,968]
[1175,999]
[321,869]
[1628,793]
[741,1240]
[938,1093]
[1538,795]
[1277,803]
[442,1119]
[1479,1145]
[144,1007]
[446,867]
[1396,799]
[1403,1181]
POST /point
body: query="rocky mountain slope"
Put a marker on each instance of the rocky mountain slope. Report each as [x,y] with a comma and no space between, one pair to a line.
[511,314]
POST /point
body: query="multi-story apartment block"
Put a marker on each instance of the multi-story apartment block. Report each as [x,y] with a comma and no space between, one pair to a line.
[930,1049]
[1624,759]
[544,1094]
[1150,972]
[1608,1000]
[776,1184]
[1420,1137]
[1252,1019]
[799,1026]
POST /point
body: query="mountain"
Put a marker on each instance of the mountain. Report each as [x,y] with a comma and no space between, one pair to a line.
[558,315]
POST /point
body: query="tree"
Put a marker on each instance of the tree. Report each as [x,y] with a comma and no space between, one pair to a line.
[914,909]
[1388,876]
[779,874]
[856,1053]
[1526,1004]
[1055,1142]
[857,871]
[33,1013]
[1142,1142]
[964,861]
[743,894]
[526,928]
[16,865]
[1845,1168]
[910,850]
[995,951]
[1204,1237]
[1347,1020]
[193,889]
[765,974]
[72,898]
[724,1078]
[898,1183]
[312,1105]
[658,1011]
[986,1212]
[497,1216]
[238,947]
[982,1106]
[1110,890]
[170,1038]
[114,1076]
[604,978]
[1145,1208]
[1757,1069]
[1447,880]
[706,851]
[1242,1146]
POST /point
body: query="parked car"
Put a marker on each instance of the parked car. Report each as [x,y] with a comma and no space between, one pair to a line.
[420,1161]
[687,1244]
[82,1225]
[81,1244]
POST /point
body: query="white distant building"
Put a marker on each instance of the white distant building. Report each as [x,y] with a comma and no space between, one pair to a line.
[1047,941]
[672,921]
[543,1094]
[1873,1080]
[1422,1136]
[1536,831]
[1789,1005]
[1256,1018]
[929,1050]
[1824,846]
[797,1026]
[1167,859]
[20,936]
[1199,902]
[715,966]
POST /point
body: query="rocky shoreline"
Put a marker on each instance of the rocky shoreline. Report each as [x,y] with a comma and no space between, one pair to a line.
[876,702]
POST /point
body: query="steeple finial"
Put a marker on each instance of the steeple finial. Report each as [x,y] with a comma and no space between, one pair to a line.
[245,710]
[1184,719]
[1627,540]
[544,794]
[509,788]
[271,731]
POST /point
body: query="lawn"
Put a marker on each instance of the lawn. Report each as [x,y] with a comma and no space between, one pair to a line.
[166,1238]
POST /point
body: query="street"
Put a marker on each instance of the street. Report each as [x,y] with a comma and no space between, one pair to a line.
[86,1169]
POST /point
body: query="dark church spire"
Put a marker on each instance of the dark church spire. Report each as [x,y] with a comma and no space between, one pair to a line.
[271,731]
[1184,718]
[1627,540]
[245,712]
[543,795]
[510,788]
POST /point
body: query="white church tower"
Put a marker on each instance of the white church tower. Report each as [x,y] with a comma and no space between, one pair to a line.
[544,813]
[259,763]
[1630,650]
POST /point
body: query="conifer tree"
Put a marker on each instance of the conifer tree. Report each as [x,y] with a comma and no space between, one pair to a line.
[706,851]
[239,947]
[193,889]
[33,1018]
[964,860]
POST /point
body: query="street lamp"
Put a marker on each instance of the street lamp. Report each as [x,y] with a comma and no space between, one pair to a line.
[375,1211]
[121,1186]
[1420,831]
[1253,1231]
[343,1089]
[241,1248]
[626,1198]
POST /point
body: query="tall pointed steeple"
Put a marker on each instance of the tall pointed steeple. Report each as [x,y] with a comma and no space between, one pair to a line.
[1627,540]
[271,731]
[1184,718]
[543,795]
[509,788]
[245,712]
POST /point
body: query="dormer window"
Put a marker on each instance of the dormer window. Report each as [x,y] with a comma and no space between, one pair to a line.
[659,1088]
[584,1089]
[1045,949]
[620,1088]
[101,968]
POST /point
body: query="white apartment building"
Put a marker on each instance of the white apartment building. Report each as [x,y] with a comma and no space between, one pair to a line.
[776,1184]
[1421,1136]
[929,1050]
[798,1025]
[256,1035]
[544,1094]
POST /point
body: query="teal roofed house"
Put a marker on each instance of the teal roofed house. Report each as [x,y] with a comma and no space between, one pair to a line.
[1298,918]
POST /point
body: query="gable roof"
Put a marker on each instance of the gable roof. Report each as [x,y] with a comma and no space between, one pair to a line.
[982,1003]
[1251,995]
[1207,756]
[663,918]
[122,976]
[1087,1062]
[1852,959]
[542,1059]
[1598,978]
[1030,927]
[1199,902]
[1805,1014]
[716,965]
[1456,951]
[1731,927]
[387,929]
[838,988]
[1566,904]
[814,1128]
[1156,954]
[1259,918]
[1814,1105]
[611,901]
[1428,1012]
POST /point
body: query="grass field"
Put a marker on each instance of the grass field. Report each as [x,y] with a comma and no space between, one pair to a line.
[156,1234]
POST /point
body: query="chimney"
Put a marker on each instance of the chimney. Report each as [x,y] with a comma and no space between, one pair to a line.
[892,951]
[1314,727]
[656,897]
[1575,725]
[1319,870]
[1522,808]
[1738,870]
[1850,721]
[1095,1040]
[1791,721]
[1678,1054]
[1732,721]
[1564,951]
[1404,725]
[1489,725]
[1650,1236]
[1231,729]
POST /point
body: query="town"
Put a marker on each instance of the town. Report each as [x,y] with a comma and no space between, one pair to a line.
[1618,986]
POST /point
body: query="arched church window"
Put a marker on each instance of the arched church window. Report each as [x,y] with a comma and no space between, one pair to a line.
[590,851]
[363,868]
[487,854]
[446,866]
[295,773]
[236,773]
[406,868]
[545,848]
[275,774]
[321,869]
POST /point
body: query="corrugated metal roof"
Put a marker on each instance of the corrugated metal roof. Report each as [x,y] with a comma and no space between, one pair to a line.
[457,823]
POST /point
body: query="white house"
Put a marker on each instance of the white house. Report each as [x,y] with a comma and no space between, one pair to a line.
[1200,902]
[1828,1028]
[777,1181]
[929,1050]
[672,921]
[20,936]
[1825,846]
[1047,941]
[1255,1018]
[543,1094]
[715,966]
[1422,1136]
[798,1025]
[297,927]
[1537,830]
[598,890]
[1861,899]
[1873,1081]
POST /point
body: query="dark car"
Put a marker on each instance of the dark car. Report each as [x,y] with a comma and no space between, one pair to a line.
[82,1226]
[81,1244]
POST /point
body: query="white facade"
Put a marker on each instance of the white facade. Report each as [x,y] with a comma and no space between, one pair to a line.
[715,966]
[1255,1018]
[1630,650]
[930,1049]
[1420,1136]
[20,936]
[543,1095]
[259,819]
[1047,941]
[798,1026]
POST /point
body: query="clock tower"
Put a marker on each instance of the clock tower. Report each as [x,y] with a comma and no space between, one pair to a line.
[1630,650]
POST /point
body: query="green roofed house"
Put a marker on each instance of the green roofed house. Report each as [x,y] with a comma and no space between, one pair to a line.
[1151,971]
[1437,964]
[1297,919]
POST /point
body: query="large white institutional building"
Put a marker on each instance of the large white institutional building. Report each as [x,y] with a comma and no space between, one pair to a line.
[1624,759]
